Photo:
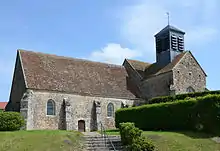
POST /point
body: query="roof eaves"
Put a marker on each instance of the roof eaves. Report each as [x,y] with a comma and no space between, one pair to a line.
[168,28]
[82,94]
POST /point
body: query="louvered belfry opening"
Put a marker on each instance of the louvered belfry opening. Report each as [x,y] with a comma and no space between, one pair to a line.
[174,43]
[180,44]
[177,43]
[169,44]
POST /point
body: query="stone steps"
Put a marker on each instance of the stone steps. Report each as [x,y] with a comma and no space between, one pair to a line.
[97,143]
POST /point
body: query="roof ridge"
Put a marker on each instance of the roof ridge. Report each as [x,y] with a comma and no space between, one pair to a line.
[138,61]
[72,58]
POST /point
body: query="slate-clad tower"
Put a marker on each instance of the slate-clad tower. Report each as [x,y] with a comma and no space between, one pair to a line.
[169,43]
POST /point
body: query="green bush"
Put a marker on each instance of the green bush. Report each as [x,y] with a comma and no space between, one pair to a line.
[141,144]
[133,140]
[202,113]
[207,114]
[180,97]
[128,132]
[10,121]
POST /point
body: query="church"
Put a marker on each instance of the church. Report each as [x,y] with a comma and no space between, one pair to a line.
[56,92]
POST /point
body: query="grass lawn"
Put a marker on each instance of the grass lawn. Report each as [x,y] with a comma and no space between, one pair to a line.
[41,141]
[179,141]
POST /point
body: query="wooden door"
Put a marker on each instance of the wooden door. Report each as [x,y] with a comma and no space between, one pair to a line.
[81,126]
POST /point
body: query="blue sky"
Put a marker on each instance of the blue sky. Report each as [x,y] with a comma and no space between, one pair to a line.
[106,31]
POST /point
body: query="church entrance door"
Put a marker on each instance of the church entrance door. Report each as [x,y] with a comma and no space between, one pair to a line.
[81,125]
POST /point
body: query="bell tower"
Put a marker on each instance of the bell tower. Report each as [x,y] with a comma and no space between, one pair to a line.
[169,43]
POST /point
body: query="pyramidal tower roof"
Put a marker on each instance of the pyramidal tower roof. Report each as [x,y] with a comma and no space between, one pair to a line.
[169,28]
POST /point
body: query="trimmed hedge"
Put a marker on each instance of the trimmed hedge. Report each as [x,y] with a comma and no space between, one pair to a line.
[11,121]
[180,97]
[132,138]
[202,113]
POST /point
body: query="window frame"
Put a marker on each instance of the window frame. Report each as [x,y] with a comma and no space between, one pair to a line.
[53,107]
[111,111]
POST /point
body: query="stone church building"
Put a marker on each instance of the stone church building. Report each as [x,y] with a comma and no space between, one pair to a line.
[55,92]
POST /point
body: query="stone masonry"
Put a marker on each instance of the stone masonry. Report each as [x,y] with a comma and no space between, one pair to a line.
[188,73]
[78,108]
[157,86]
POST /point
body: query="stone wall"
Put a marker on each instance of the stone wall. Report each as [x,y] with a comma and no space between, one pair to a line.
[187,73]
[18,87]
[79,108]
[157,86]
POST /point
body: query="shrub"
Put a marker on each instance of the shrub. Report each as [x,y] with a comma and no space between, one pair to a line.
[161,116]
[128,132]
[180,97]
[10,121]
[206,114]
[141,144]
[202,113]
[133,140]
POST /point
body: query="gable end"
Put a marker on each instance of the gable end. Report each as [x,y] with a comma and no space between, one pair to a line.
[18,86]
[189,52]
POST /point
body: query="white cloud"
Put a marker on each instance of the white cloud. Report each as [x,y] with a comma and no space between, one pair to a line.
[138,24]
[114,53]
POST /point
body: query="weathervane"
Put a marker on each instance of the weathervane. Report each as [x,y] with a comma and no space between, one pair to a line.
[168,15]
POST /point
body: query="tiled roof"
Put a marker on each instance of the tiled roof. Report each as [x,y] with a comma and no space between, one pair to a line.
[139,66]
[78,76]
[3,105]
[147,70]
[155,69]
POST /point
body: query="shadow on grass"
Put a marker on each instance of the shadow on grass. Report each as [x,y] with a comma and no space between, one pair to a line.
[195,134]
[192,134]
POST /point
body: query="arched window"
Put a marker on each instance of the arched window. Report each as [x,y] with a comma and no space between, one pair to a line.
[50,107]
[110,110]
[190,89]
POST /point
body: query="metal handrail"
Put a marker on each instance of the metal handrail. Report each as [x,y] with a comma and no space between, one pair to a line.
[103,131]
